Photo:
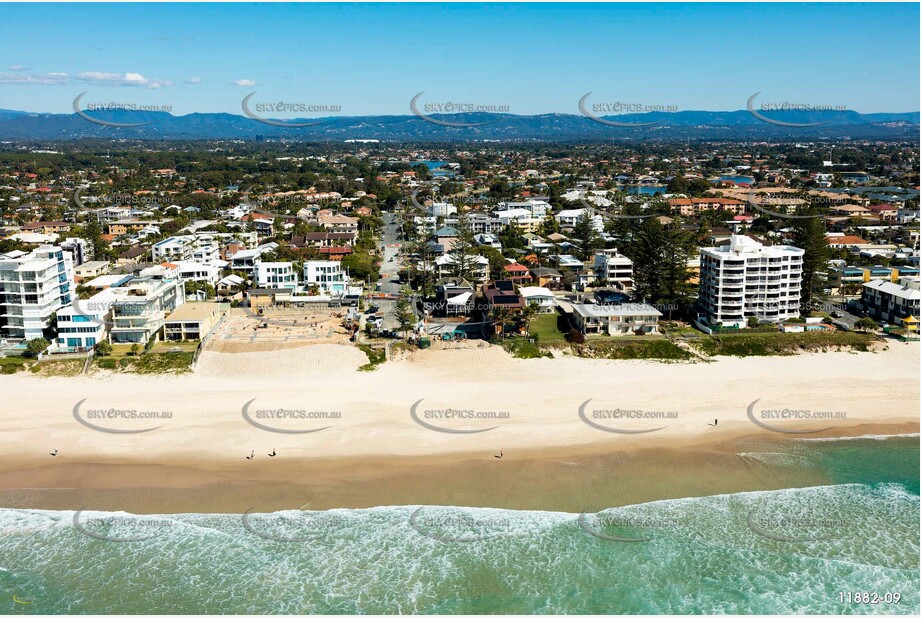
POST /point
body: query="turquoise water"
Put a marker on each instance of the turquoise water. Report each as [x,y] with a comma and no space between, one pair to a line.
[646,190]
[738,179]
[784,551]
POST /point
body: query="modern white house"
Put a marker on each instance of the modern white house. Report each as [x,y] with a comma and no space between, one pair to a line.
[245,260]
[173,249]
[537,209]
[445,266]
[441,209]
[33,286]
[615,268]
[275,275]
[617,319]
[541,297]
[85,323]
[327,277]
[209,272]
[569,218]
[141,307]
[745,278]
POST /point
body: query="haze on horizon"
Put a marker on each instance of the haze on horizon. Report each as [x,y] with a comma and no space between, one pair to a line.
[371,59]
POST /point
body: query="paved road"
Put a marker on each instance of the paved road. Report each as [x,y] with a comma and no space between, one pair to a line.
[390,246]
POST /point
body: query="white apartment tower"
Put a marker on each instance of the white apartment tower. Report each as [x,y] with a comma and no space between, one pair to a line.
[33,286]
[615,268]
[744,279]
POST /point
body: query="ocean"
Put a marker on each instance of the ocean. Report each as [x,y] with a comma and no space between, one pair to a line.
[778,551]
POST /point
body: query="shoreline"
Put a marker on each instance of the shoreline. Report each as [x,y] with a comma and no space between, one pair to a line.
[569,479]
[377,454]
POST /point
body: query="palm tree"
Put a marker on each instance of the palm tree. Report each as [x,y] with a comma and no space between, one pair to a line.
[501,316]
[527,315]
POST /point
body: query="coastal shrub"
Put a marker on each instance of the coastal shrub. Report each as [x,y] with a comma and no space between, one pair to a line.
[375,357]
[36,346]
[9,369]
[574,336]
[106,363]
[653,348]
[782,344]
[519,347]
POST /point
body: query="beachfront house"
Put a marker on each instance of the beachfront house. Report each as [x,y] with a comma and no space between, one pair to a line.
[193,321]
[540,297]
[84,323]
[617,319]
[141,306]
[898,303]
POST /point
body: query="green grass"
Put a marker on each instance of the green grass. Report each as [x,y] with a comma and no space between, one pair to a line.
[12,364]
[544,326]
[375,357]
[781,344]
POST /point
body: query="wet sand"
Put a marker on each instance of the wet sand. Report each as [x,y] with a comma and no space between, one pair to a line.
[570,481]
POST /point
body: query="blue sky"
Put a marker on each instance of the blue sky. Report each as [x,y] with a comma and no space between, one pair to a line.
[534,58]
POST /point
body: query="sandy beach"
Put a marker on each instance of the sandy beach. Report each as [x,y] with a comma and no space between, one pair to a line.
[388,436]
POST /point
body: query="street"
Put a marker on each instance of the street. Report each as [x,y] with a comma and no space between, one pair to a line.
[390,246]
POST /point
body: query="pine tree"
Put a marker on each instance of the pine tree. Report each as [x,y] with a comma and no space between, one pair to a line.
[585,235]
[462,251]
[809,235]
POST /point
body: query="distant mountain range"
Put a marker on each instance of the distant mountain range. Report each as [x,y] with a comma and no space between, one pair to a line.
[686,125]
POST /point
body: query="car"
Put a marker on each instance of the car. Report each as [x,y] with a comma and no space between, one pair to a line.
[837,314]
[884,325]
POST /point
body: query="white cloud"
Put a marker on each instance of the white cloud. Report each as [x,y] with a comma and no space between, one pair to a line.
[123,79]
[38,79]
[18,68]
[193,80]
[245,83]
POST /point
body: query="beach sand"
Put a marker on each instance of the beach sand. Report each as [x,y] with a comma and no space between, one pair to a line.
[375,453]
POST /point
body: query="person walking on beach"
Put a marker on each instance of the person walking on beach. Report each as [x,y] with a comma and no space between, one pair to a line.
[500,455]
[251,455]
[713,424]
